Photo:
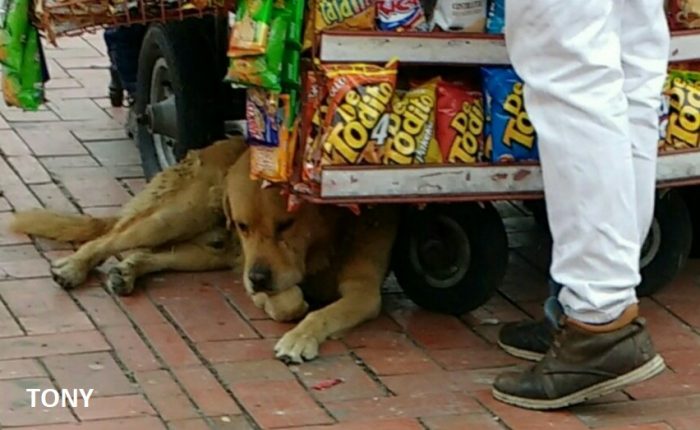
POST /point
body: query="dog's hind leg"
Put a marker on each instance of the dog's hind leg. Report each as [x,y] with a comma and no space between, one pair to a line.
[208,252]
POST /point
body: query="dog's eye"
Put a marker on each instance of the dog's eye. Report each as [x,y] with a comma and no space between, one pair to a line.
[284,226]
[242,227]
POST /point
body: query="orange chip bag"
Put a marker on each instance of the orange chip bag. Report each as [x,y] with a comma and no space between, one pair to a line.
[357,122]
[412,127]
[313,113]
[460,123]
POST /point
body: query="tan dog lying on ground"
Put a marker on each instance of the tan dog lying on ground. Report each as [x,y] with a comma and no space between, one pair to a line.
[175,223]
[335,257]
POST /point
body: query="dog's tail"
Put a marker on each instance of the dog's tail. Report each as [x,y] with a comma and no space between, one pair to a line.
[61,227]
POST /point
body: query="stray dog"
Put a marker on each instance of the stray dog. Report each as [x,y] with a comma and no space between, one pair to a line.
[175,223]
[337,259]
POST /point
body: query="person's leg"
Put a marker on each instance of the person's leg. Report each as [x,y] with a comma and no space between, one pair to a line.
[569,55]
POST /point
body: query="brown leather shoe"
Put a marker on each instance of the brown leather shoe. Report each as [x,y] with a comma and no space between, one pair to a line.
[584,362]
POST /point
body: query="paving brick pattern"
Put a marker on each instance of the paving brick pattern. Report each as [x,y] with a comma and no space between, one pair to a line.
[189,351]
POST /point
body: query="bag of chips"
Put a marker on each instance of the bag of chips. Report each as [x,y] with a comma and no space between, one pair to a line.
[250,32]
[14,25]
[680,113]
[343,15]
[460,15]
[684,14]
[314,110]
[459,123]
[496,18]
[24,88]
[357,122]
[412,127]
[513,136]
[401,15]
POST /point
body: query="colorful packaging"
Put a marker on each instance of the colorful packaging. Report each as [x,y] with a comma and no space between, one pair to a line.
[460,123]
[496,18]
[680,116]
[401,15]
[13,32]
[250,32]
[460,15]
[513,136]
[412,127]
[344,15]
[684,14]
[263,70]
[357,122]
[296,24]
[25,88]
[313,114]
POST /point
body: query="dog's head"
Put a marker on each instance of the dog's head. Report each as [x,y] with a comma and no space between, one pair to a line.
[275,242]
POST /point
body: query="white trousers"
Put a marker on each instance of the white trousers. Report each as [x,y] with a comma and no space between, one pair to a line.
[593,73]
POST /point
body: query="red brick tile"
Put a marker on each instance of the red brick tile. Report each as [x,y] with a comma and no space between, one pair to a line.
[258,370]
[237,350]
[496,310]
[130,348]
[640,411]
[98,371]
[219,423]
[276,404]
[435,382]
[51,141]
[101,408]
[140,307]
[272,329]
[16,408]
[437,331]
[331,348]
[654,426]
[379,339]
[219,322]
[523,419]
[8,325]
[668,333]
[356,384]
[397,361]
[100,306]
[140,423]
[8,237]
[165,395]
[397,424]
[29,169]
[169,345]
[472,358]
[206,392]
[234,290]
[52,197]
[407,406]
[51,344]
[522,283]
[11,144]
[17,369]
[24,269]
[668,384]
[684,423]
[114,152]
[94,186]
[683,361]
[480,421]
[42,307]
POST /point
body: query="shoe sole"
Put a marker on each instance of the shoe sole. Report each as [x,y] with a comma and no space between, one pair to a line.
[521,353]
[648,370]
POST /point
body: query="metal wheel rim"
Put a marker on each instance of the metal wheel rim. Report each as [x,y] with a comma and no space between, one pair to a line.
[160,90]
[461,251]
[651,245]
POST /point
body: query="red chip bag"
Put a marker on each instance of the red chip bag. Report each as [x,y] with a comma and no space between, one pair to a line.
[459,123]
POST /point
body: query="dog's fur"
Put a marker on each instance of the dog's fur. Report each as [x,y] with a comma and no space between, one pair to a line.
[175,223]
[337,258]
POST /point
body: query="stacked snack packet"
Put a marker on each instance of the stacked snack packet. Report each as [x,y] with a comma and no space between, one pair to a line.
[264,53]
[24,67]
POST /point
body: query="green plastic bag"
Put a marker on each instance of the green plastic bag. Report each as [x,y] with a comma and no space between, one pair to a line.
[13,32]
[25,88]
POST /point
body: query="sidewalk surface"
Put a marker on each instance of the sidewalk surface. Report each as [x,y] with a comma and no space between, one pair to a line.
[189,351]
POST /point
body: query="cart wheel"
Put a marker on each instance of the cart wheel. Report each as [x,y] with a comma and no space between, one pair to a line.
[691,196]
[667,246]
[176,94]
[451,258]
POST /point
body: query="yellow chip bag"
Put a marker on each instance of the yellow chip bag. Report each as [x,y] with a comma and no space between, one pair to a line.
[412,128]
[680,116]
[341,15]
[357,121]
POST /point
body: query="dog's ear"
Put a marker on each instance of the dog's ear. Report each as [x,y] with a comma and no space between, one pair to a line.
[227,208]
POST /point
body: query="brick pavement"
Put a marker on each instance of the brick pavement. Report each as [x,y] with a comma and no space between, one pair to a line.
[188,351]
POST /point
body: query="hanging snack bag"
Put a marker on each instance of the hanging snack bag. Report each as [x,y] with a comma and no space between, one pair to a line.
[513,136]
[459,123]
[495,20]
[314,109]
[412,127]
[680,119]
[24,88]
[296,24]
[250,32]
[460,15]
[263,70]
[357,122]
[344,15]
[14,25]
[401,15]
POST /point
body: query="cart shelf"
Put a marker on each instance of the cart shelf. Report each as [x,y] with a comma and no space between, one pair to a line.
[426,183]
[450,48]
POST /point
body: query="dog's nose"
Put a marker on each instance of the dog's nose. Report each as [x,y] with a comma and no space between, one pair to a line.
[260,277]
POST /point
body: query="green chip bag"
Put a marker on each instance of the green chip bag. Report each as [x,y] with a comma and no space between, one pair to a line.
[250,31]
[24,88]
[13,32]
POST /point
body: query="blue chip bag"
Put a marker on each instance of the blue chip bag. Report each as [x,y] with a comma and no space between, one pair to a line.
[511,135]
[496,17]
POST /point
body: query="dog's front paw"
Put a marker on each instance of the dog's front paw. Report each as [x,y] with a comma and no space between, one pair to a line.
[296,346]
[68,273]
[120,281]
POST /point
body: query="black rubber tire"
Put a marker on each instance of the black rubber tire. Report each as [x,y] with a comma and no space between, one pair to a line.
[691,196]
[482,271]
[194,82]
[675,230]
